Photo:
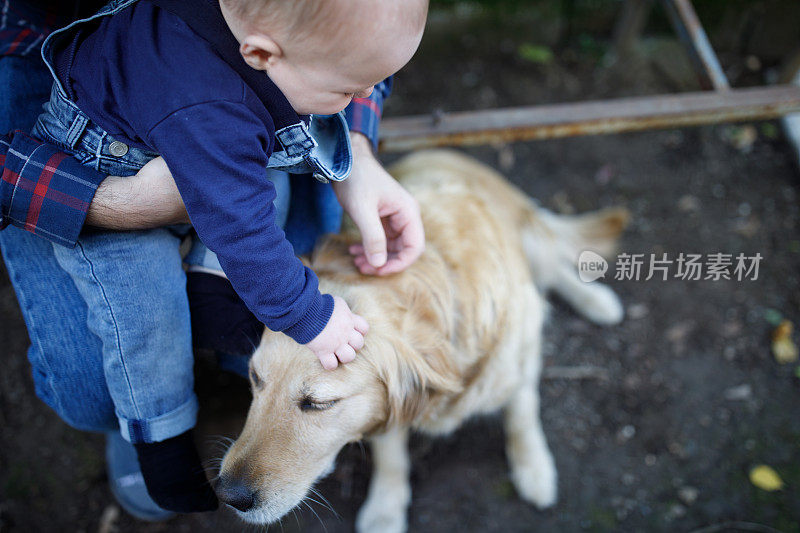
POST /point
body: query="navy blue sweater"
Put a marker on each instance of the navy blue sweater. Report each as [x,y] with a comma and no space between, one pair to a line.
[145,77]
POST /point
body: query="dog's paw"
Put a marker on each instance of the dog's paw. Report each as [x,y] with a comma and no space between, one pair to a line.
[601,305]
[537,482]
[379,516]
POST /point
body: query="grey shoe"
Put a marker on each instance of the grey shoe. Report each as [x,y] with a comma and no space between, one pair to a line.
[126,481]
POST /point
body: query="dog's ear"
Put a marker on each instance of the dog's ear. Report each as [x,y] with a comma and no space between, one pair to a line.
[413,377]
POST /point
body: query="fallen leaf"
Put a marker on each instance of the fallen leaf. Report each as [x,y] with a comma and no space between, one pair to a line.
[677,333]
[773,316]
[747,227]
[742,137]
[538,54]
[560,202]
[605,174]
[765,478]
[687,203]
[741,392]
[505,157]
[637,311]
[108,520]
[783,347]
[688,495]
[752,63]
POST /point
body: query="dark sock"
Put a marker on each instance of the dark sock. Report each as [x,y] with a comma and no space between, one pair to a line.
[174,475]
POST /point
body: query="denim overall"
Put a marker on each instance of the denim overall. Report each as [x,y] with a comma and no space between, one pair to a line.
[133,283]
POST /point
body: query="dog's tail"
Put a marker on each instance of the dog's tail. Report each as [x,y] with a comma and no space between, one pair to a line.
[553,243]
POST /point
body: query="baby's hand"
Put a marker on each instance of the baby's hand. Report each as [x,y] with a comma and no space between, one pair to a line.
[341,338]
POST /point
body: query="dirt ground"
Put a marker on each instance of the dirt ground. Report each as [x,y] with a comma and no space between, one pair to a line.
[686,397]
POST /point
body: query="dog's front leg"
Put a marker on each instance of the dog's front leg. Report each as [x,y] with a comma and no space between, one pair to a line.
[533,471]
[389,494]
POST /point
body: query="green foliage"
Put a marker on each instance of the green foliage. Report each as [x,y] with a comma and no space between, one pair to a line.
[602,519]
[591,47]
[770,130]
[18,483]
[505,490]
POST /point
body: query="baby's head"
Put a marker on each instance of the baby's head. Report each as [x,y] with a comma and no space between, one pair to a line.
[322,53]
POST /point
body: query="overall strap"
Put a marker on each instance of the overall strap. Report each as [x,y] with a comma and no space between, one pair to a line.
[205,18]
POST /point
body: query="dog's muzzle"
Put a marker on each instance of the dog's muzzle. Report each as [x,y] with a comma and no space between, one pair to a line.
[235,493]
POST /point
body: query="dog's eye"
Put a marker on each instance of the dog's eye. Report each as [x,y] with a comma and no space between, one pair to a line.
[255,380]
[307,403]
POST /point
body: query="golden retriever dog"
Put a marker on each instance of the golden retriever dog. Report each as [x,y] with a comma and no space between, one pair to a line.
[455,335]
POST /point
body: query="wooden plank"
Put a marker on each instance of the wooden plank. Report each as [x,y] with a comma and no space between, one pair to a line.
[587,118]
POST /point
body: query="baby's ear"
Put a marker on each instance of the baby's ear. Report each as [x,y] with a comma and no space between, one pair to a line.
[260,51]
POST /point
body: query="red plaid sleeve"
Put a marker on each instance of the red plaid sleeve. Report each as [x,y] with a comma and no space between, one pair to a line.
[43,190]
[364,114]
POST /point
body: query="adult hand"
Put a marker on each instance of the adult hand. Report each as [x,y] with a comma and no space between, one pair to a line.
[384,212]
[150,199]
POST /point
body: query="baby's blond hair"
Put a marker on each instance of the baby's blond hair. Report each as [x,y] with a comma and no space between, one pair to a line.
[294,14]
[304,18]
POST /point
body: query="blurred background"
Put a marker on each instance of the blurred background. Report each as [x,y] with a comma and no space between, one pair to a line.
[674,408]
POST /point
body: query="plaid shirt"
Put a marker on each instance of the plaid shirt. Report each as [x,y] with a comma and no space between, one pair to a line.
[43,190]
[364,114]
[46,192]
[24,24]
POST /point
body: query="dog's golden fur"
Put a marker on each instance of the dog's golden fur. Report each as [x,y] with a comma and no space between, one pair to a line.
[456,334]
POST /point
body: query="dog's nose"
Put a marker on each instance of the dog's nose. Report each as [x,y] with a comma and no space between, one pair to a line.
[235,493]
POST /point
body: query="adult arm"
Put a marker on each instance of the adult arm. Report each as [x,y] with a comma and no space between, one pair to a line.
[364,114]
[50,194]
[385,213]
[150,199]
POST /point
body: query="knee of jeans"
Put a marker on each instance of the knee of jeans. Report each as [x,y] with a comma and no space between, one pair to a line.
[82,404]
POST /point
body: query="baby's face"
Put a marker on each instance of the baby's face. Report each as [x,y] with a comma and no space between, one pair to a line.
[328,85]
[322,73]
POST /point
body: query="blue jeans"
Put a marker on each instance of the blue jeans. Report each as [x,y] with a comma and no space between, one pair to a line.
[68,349]
[134,286]
[65,356]
[108,320]
[134,290]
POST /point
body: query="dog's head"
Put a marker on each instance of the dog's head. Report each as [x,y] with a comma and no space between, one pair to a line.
[302,415]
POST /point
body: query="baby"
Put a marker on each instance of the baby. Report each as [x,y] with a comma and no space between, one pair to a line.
[137,80]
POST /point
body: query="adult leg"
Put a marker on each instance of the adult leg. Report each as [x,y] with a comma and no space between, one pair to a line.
[66,358]
[64,354]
